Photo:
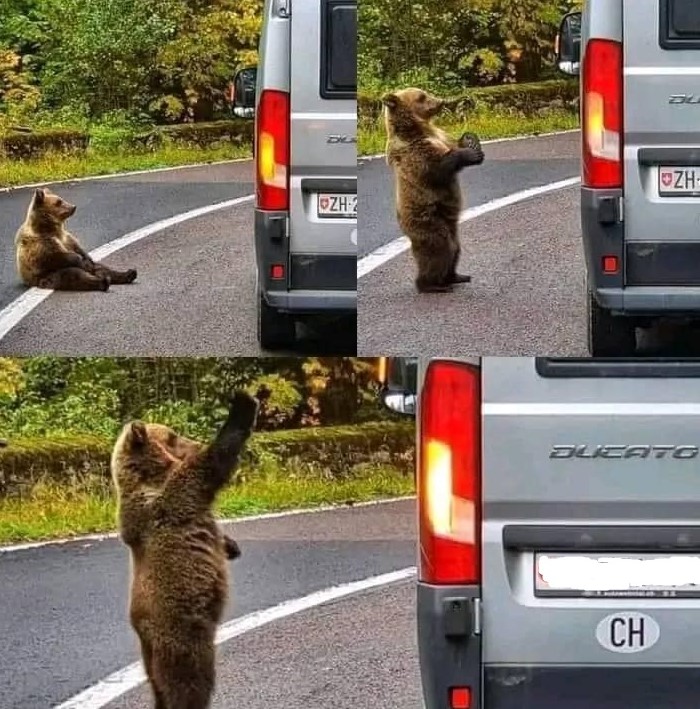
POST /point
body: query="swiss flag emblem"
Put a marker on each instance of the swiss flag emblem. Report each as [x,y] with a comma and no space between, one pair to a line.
[666,179]
[324,202]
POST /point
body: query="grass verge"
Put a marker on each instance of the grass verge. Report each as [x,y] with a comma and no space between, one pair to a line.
[371,140]
[52,511]
[54,167]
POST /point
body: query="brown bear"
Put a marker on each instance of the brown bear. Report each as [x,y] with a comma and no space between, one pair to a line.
[426,162]
[166,486]
[48,256]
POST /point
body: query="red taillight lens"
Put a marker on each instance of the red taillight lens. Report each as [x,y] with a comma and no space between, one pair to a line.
[460,698]
[602,114]
[449,474]
[277,271]
[272,151]
[611,264]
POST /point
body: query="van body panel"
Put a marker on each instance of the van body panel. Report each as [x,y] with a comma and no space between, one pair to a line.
[525,415]
[655,123]
[323,140]
[535,650]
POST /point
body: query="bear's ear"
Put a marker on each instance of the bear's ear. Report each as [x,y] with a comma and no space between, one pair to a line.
[138,433]
[390,100]
[39,196]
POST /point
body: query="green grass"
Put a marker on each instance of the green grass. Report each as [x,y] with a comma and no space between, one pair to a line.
[55,167]
[52,511]
[371,140]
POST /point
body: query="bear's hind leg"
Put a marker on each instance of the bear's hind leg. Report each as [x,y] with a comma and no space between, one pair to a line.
[186,676]
[118,278]
[147,655]
[74,279]
[454,276]
[433,268]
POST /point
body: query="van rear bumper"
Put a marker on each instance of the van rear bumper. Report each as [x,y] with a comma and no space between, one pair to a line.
[599,687]
[312,283]
[650,300]
[312,301]
[449,643]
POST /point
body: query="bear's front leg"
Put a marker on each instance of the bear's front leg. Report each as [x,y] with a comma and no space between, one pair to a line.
[222,455]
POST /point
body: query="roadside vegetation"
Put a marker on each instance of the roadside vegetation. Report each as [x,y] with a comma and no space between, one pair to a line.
[493,60]
[322,436]
[119,76]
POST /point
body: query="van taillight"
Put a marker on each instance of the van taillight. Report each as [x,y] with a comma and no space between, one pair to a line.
[449,474]
[272,151]
[602,114]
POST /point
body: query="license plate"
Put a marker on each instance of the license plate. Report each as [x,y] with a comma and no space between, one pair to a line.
[337,206]
[617,575]
[679,181]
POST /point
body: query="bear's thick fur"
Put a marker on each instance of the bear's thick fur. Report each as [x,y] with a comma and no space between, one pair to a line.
[426,162]
[166,486]
[48,256]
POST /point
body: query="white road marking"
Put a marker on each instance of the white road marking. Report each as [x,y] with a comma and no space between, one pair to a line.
[230,520]
[12,314]
[128,678]
[132,173]
[493,141]
[397,246]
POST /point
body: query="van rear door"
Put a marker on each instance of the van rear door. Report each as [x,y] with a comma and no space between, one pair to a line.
[662,142]
[323,200]
[585,462]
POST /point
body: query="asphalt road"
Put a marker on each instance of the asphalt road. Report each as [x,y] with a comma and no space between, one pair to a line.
[527,295]
[525,260]
[196,285]
[509,167]
[64,624]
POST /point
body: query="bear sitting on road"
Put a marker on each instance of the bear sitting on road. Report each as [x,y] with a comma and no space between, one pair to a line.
[166,487]
[426,162]
[48,256]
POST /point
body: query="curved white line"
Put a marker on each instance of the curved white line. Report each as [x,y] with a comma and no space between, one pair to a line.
[128,678]
[397,246]
[11,548]
[18,309]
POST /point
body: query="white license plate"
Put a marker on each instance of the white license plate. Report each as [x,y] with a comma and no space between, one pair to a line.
[679,181]
[617,575]
[338,206]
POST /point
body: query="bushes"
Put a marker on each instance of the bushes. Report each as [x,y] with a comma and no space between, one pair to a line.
[334,450]
[21,146]
[519,99]
[206,134]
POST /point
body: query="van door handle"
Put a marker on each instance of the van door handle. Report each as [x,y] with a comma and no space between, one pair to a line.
[615,538]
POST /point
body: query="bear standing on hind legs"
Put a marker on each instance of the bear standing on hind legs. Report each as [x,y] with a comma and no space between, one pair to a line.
[428,197]
[49,256]
[166,487]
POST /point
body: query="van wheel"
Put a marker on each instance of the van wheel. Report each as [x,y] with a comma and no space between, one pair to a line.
[276,331]
[609,335]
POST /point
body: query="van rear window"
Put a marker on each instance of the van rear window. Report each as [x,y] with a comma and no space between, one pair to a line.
[338,49]
[680,24]
[595,367]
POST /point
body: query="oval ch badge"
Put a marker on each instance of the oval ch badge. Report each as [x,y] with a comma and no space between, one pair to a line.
[627,632]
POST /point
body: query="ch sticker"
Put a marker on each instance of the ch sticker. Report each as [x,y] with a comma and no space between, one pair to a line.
[627,632]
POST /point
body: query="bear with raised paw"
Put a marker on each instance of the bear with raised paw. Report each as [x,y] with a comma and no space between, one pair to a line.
[166,486]
[426,162]
[49,256]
